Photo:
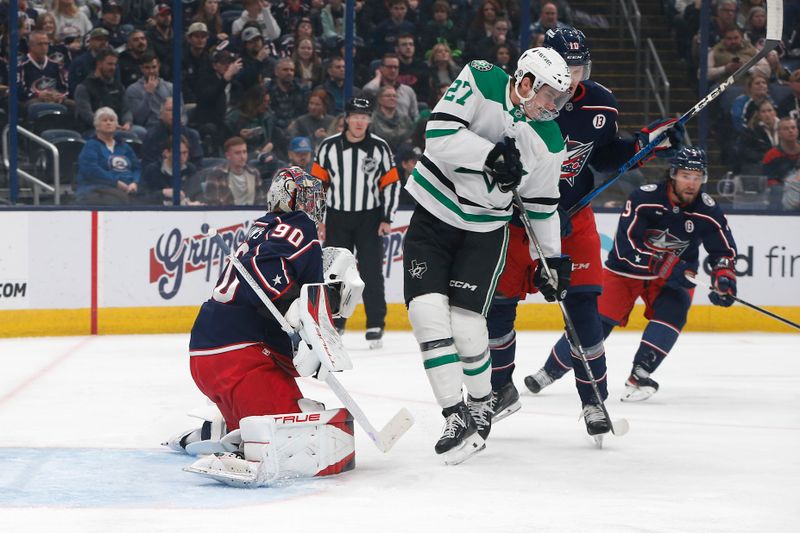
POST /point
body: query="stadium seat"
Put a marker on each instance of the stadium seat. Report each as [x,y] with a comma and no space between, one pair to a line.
[43,116]
[131,139]
[69,144]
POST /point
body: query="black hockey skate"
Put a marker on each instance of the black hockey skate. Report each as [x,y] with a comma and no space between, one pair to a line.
[541,379]
[374,337]
[460,439]
[640,386]
[597,425]
[505,402]
[481,411]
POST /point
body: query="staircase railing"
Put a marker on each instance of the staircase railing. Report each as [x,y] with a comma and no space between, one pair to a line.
[36,182]
[631,18]
[656,82]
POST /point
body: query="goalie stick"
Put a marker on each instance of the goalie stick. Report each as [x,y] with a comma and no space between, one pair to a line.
[618,427]
[392,431]
[773,39]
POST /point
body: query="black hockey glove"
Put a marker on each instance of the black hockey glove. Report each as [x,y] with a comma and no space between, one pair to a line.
[672,268]
[723,281]
[504,166]
[561,268]
[669,146]
[565,222]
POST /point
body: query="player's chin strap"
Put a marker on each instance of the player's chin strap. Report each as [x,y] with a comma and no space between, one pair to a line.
[392,431]
[618,427]
[773,39]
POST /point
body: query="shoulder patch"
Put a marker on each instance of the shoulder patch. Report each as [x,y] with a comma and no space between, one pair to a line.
[707,200]
[649,187]
[481,65]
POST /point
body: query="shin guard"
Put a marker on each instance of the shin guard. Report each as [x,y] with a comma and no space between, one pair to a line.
[472,341]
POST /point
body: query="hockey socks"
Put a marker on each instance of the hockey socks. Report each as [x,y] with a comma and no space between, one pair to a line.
[503,350]
[596,357]
[657,340]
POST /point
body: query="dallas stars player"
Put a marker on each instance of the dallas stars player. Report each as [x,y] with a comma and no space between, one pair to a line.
[487,135]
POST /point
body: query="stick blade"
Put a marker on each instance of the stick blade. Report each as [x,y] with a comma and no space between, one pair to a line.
[394,429]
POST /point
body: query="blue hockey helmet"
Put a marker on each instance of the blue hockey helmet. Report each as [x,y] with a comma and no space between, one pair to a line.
[571,45]
[689,158]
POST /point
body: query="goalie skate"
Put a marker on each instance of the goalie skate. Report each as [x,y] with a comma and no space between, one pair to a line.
[460,439]
[639,386]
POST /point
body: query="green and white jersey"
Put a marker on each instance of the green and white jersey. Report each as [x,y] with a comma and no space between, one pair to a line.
[474,114]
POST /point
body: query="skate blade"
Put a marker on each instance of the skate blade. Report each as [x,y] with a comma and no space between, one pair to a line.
[597,440]
[508,411]
[637,394]
[471,445]
[239,480]
[376,345]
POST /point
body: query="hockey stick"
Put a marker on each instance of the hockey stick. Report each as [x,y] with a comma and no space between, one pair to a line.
[618,427]
[751,306]
[392,431]
[773,38]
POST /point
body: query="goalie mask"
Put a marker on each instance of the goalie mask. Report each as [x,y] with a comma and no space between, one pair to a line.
[293,189]
[341,275]
[550,77]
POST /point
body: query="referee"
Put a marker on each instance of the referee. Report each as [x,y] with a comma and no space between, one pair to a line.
[363,190]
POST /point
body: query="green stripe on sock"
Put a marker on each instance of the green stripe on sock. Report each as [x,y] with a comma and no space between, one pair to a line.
[480,369]
[441,360]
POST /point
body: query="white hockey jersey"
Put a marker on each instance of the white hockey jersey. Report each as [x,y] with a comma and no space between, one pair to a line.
[449,181]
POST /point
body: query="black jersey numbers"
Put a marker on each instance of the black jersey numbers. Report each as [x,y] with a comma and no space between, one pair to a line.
[465,89]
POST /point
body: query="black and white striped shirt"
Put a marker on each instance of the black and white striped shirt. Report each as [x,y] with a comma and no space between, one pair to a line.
[359,176]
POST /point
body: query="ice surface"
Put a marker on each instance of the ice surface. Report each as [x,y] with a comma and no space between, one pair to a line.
[715,450]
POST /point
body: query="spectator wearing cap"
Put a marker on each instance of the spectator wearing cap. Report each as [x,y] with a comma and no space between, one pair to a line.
[208,14]
[213,96]
[111,20]
[357,169]
[196,59]
[258,11]
[145,97]
[287,97]
[160,38]
[387,123]
[386,33]
[100,89]
[108,170]
[68,15]
[387,74]
[253,120]
[129,70]
[83,65]
[790,106]
[316,122]
[301,153]
[257,63]
[158,134]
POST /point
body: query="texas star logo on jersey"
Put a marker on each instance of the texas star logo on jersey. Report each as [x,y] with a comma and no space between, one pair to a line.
[577,155]
[661,240]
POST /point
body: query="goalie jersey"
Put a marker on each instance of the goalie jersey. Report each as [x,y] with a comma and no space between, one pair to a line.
[282,252]
[651,224]
[475,113]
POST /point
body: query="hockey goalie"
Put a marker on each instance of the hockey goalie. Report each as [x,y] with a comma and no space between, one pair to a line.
[262,429]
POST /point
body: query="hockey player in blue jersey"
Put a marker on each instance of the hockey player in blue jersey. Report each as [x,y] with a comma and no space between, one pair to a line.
[588,123]
[246,364]
[655,258]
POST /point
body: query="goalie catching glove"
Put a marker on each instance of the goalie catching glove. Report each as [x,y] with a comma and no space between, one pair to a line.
[669,147]
[555,286]
[723,283]
[504,166]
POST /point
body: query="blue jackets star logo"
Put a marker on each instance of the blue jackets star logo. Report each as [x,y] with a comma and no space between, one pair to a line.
[663,241]
[577,156]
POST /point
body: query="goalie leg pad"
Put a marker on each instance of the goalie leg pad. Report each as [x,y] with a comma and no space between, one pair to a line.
[472,341]
[429,315]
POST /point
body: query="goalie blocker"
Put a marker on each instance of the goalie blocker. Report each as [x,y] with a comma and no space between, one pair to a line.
[284,446]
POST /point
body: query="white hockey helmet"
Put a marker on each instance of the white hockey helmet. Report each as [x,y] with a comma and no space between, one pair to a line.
[293,189]
[546,68]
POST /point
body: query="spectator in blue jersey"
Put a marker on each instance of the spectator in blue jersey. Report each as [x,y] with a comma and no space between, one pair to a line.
[41,80]
[108,171]
[386,33]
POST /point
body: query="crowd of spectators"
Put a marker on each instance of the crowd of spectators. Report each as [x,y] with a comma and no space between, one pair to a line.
[262,82]
[755,122]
